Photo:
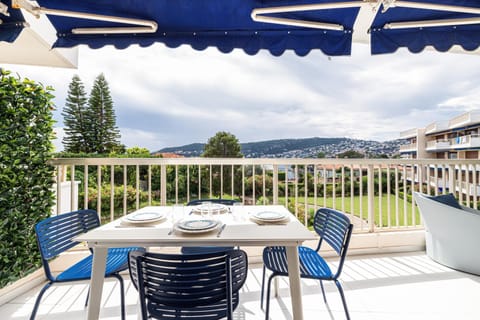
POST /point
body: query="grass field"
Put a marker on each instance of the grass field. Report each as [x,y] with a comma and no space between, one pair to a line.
[400,212]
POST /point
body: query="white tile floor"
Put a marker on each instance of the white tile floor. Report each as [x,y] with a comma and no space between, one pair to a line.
[388,287]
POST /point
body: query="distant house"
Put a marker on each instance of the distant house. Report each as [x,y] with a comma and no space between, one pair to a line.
[167,155]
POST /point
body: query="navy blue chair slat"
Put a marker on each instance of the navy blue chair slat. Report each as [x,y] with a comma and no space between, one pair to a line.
[55,236]
[194,286]
[334,228]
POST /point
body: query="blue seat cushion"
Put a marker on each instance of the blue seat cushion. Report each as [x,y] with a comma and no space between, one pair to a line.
[312,265]
[448,199]
[117,260]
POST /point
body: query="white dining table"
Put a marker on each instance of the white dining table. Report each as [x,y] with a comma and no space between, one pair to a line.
[240,230]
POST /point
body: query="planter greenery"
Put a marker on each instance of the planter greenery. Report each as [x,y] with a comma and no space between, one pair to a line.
[26,195]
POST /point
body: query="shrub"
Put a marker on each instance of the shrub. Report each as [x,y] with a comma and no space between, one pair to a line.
[26,195]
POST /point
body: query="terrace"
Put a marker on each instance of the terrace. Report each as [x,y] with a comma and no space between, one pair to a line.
[387,274]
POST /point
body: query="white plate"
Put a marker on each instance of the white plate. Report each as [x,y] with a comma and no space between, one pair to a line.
[144,217]
[269,216]
[197,226]
[215,208]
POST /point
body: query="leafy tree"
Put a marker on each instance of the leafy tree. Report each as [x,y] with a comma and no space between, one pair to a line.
[351,154]
[102,121]
[223,145]
[138,152]
[75,139]
[321,155]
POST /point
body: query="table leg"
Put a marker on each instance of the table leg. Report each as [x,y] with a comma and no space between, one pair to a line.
[96,282]
[294,279]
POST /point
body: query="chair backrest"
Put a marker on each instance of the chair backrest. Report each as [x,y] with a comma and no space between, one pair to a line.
[227,202]
[335,228]
[188,284]
[55,234]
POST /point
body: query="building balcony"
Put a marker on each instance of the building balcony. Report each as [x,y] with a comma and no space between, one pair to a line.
[411,147]
[436,127]
[438,145]
[464,120]
[465,142]
[386,262]
[408,134]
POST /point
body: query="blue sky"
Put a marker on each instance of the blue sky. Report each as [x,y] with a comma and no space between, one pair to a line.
[168,97]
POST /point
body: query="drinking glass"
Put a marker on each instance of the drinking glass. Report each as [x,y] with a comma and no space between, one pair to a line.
[178,213]
[206,210]
[237,211]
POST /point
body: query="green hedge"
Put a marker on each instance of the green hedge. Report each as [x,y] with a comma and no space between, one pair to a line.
[26,196]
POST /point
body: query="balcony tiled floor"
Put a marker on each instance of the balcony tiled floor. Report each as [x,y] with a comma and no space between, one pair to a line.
[388,287]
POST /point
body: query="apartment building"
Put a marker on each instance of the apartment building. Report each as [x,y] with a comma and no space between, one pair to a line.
[457,138]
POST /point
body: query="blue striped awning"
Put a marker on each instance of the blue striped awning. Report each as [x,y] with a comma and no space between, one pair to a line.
[273,25]
[225,24]
[442,36]
[11,22]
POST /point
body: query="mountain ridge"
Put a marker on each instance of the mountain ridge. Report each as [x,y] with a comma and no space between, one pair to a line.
[299,147]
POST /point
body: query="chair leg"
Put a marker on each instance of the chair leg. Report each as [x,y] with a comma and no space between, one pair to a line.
[263,286]
[340,289]
[37,301]
[267,307]
[88,295]
[323,291]
[122,294]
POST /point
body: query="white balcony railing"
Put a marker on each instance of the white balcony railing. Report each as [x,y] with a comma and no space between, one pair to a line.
[376,193]
[468,141]
[443,144]
[408,147]
[410,133]
[464,119]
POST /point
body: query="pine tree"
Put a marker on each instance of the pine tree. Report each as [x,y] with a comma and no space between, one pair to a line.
[104,133]
[74,117]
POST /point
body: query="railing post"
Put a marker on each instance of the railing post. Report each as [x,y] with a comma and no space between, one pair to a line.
[163,185]
[60,170]
[72,187]
[371,198]
[137,187]
[112,192]
[275,184]
[451,179]
[99,191]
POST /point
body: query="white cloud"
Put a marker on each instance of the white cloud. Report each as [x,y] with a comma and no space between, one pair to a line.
[165,97]
[57,142]
[140,138]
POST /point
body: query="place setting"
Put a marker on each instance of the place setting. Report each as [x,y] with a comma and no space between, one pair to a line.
[142,219]
[270,218]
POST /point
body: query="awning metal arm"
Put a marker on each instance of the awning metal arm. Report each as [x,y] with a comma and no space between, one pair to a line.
[140,26]
[258,14]
[4,10]
[433,23]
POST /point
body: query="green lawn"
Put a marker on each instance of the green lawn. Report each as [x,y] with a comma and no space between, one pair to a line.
[401,218]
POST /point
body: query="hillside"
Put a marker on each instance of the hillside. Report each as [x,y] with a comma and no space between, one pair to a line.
[300,148]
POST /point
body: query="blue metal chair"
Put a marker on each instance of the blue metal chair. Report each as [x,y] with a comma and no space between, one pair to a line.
[176,286]
[334,228]
[205,249]
[55,235]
